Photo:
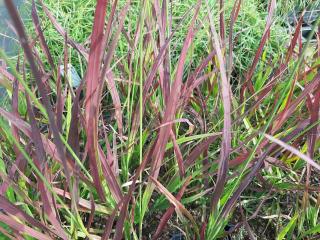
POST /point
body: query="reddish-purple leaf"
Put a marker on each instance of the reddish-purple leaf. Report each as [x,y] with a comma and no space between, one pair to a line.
[199,149]
[15,111]
[23,228]
[170,111]
[106,71]
[244,183]
[112,160]
[294,40]
[150,78]
[164,67]
[314,117]
[178,155]
[222,23]
[294,151]
[116,100]
[110,177]
[49,146]
[73,138]
[265,36]
[14,210]
[127,197]
[226,100]
[109,225]
[176,203]
[281,118]
[93,94]
[63,33]
[40,161]
[17,22]
[39,32]
[167,215]
[233,18]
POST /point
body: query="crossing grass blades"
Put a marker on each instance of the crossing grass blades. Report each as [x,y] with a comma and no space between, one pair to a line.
[146,144]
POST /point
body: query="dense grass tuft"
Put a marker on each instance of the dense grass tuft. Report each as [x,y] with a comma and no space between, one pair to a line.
[184,123]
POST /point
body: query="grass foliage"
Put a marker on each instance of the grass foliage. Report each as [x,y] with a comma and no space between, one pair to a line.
[196,117]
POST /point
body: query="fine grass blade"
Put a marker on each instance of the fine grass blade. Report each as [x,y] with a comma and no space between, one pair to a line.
[294,151]
[40,34]
[40,161]
[93,85]
[167,215]
[19,227]
[177,204]
[16,211]
[226,100]
[38,77]
[63,33]
[265,36]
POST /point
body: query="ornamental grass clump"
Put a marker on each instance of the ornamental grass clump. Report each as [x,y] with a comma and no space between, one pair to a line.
[146,144]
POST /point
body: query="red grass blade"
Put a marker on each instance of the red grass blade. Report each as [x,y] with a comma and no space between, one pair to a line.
[115,99]
[193,80]
[222,23]
[233,18]
[244,183]
[199,149]
[19,227]
[294,40]
[50,147]
[106,71]
[178,154]
[110,22]
[15,111]
[109,225]
[167,215]
[110,177]
[164,68]
[294,151]
[39,32]
[93,94]
[38,78]
[281,118]
[73,138]
[85,204]
[314,117]
[112,160]
[126,199]
[150,78]
[60,102]
[40,161]
[176,203]
[15,211]
[171,109]
[265,36]
[226,100]
[63,33]
[148,84]
[259,162]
